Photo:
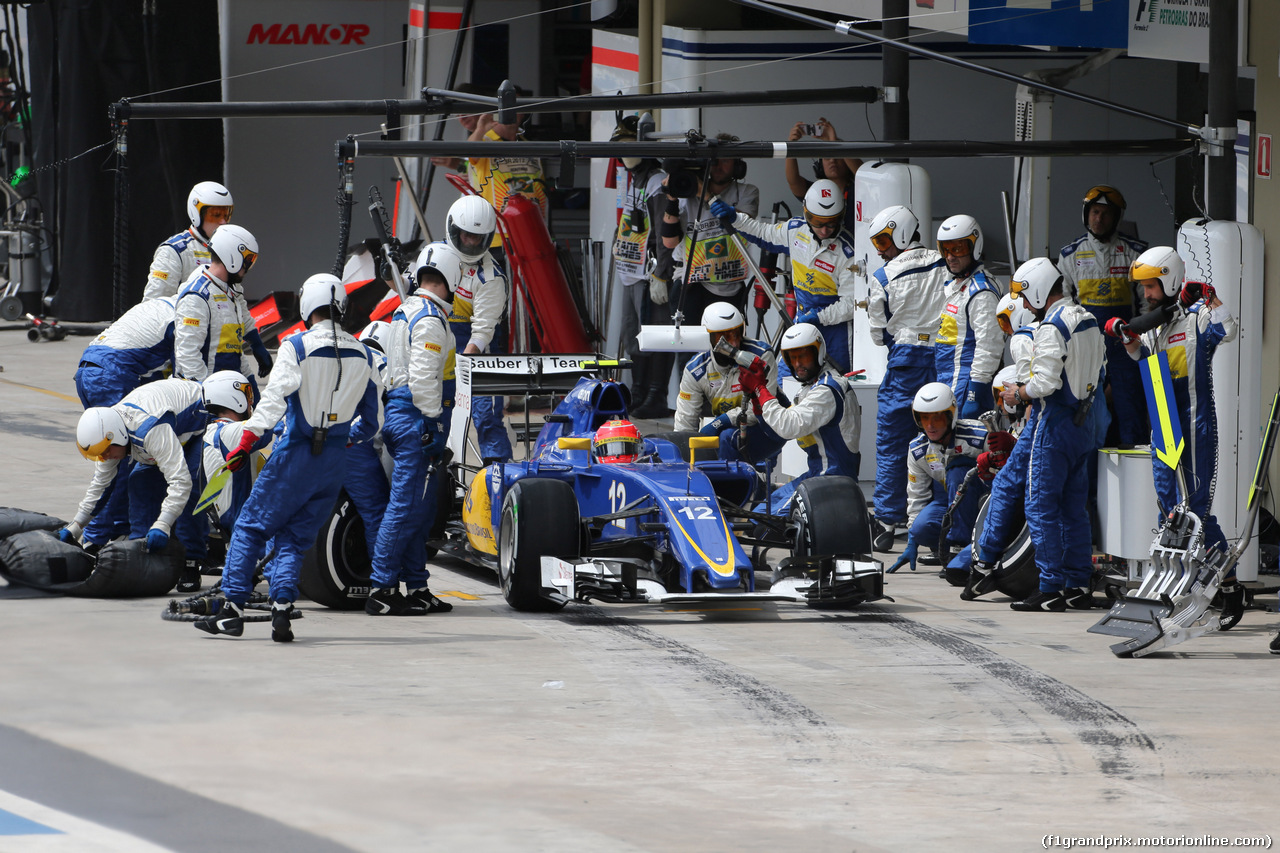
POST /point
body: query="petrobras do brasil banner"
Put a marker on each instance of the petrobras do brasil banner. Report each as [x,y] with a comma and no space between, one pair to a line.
[1175,29]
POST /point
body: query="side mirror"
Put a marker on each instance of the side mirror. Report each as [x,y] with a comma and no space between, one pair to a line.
[702,442]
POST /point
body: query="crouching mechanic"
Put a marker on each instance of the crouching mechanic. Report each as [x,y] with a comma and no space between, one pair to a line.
[824,418]
[326,387]
[154,426]
[938,460]
[1067,362]
[420,362]
[1198,322]
[822,262]
[713,380]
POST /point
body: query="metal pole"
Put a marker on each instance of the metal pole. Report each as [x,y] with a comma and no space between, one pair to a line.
[438,134]
[897,74]
[1220,188]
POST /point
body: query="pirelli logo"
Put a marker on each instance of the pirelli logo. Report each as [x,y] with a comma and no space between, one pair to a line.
[160,275]
[191,321]
[432,347]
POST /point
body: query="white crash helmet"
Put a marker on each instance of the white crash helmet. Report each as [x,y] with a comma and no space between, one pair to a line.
[99,428]
[1007,375]
[320,290]
[824,203]
[1012,315]
[1034,279]
[444,259]
[898,222]
[228,389]
[235,247]
[472,214]
[207,194]
[377,335]
[934,397]
[1160,262]
[803,335]
[722,317]
[962,226]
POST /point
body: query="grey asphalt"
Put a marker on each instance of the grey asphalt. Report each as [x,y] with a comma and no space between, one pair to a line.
[918,724]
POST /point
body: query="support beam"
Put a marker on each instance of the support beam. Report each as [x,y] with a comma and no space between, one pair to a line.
[1223,37]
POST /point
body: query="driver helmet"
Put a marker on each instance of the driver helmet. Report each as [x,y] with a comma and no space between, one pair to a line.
[616,441]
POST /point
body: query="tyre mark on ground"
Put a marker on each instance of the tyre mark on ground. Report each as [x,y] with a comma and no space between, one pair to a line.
[1118,745]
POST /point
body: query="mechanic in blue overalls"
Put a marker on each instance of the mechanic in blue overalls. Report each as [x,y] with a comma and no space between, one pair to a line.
[712,380]
[420,382]
[967,353]
[479,302]
[824,417]
[326,387]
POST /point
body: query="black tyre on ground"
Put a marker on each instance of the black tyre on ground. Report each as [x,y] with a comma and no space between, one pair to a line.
[539,517]
[335,572]
[830,517]
[1017,576]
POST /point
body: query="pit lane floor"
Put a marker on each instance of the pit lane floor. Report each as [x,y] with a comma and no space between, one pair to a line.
[920,724]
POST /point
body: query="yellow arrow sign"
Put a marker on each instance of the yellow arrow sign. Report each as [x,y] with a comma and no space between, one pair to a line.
[1166,429]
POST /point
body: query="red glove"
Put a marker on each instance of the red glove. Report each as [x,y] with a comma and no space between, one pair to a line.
[1000,442]
[752,381]
[990,463]
[1117,328]
[758,366]
[1194,291]
[239,456]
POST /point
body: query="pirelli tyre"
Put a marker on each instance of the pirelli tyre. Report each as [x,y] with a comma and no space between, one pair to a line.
[335,572]
[829,515]
[1017,575]
[539,517]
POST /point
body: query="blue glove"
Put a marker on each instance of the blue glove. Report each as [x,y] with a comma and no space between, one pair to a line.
[157,540]
[718,425]
[260,353]
[433,438]
[908,555]
[809,315]
[67,536]
[723,211]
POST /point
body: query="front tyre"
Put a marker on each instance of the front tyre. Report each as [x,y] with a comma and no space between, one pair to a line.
[539,517]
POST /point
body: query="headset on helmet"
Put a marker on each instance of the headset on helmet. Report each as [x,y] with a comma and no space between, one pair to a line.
[472,214]
[235,247]
[228,389]
[99,428]
[1160,262]
[319,291]
[1101,194]
[377,335]
[898,223]
[824,204]
[1034,280]
[798,337]
[722,317]
[1012,315]
[934,397]
[207,194]
[962,226]
[444,259]
[617,441]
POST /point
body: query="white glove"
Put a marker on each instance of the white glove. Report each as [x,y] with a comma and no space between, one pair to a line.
[658,290]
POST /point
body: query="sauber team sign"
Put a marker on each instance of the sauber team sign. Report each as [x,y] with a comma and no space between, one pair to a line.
[307,33]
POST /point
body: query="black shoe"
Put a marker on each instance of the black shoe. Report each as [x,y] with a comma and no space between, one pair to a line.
[493,460]
[281,616]
[1232,605]
[228,620]
[1078,598]
[423,598]
[92,548]
[211,571]
[956,577]
[1275,645]
[882,535]
[1041,602]
[189,579]
[389,602]
[929,558]
[981,580]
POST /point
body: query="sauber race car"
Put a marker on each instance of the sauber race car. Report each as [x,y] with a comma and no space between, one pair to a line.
[675,525]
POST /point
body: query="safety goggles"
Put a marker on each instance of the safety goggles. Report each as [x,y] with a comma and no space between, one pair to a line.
[220,212]
[249,258]
[1006,325]
[613,448]
[96,452]
[1016,288]
[1140,272]
[883,240]
[816,222]
[955,248]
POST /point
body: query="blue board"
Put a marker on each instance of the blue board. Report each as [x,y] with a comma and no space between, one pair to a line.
[1067,23]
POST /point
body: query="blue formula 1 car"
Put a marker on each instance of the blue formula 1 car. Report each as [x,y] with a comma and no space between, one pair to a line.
[562,526]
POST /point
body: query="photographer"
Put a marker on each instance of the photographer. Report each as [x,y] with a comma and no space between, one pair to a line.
[840,170]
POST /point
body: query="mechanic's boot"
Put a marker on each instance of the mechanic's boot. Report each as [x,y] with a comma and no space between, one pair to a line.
[189,578]
[281,616]
[1275,645]
[1232,605]
[956,576]
[882,535]
[1078,598]
[389,602]
[981,580]
[423,598]
[1041,602]
[228,620]
[929,558]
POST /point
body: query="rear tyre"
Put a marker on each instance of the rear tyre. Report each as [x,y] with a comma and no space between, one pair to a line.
[539,517]
[830,517]
[1017,575]
[335,572]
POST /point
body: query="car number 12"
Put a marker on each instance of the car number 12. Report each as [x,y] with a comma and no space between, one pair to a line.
[618,501]
[697,513]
